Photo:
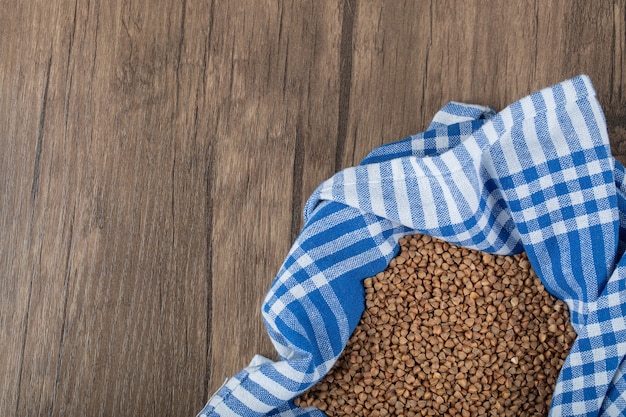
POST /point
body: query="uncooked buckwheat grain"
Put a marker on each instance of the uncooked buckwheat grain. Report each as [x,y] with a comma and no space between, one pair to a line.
[449,331]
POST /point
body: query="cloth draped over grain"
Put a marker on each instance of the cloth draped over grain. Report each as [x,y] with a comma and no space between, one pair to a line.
[538,176]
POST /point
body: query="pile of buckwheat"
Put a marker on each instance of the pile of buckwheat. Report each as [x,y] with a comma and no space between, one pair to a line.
[449,331]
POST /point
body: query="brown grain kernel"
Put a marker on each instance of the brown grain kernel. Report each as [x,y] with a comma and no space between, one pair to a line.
[449,331]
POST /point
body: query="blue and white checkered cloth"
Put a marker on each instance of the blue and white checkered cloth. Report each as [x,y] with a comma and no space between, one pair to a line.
[538,176]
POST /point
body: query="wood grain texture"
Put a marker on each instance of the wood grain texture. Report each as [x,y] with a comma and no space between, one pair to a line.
[156,157]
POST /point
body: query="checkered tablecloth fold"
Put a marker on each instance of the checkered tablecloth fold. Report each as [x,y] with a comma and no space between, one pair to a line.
[537,176]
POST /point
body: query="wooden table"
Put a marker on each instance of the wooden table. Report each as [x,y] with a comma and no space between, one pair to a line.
[155,158]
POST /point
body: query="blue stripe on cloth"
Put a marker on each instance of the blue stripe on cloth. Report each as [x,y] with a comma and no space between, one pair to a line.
[433,142]
[455,113]
[537,176]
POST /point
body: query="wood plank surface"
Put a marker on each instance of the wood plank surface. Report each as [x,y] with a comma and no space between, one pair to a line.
[156,157]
